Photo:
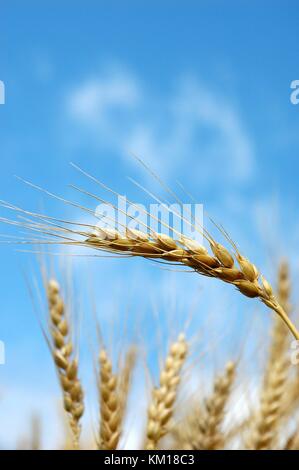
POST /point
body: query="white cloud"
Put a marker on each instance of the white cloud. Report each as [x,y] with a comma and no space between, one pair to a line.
[191,127]
[93,100]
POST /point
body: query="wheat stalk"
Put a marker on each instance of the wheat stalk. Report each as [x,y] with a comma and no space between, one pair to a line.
[67,367]
[160,410]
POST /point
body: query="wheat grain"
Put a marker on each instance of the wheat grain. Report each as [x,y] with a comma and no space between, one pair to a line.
[160,410]
[66,365]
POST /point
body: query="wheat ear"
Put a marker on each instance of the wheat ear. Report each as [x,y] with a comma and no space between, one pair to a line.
[219,264]
[205,432]
[36,433]
[264,428]
[125,380]
[293,441]
[280,332]
[110,414]
[233,268]
[161,407]
[66,365]
[277,353]
[276,373]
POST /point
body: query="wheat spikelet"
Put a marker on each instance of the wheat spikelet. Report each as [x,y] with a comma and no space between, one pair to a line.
[161,407]
[204,429]
[264,427]
[67,367]
[110,413]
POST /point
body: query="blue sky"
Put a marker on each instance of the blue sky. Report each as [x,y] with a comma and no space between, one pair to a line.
[199,89]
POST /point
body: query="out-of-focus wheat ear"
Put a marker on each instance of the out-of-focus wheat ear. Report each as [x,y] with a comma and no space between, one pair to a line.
[160,411]
[284,286]
[65,362]
[125,380]
[293,441]
[280,333]
[278,352]
[186,428]
[264,428]
[110,423]
[206,432]
[36,432]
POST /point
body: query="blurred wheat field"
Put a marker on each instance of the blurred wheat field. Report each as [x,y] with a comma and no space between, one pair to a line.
[207,422]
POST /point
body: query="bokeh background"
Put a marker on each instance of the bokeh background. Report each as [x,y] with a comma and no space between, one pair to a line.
[198,89]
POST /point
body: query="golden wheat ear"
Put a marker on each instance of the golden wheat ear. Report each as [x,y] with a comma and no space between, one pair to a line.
[293,441]
[264,425]
[125,380]
[113,391]
[161,408]
[110,405]
[65,361]
[219,264]
[232,268]
[202,430]
[264,429]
